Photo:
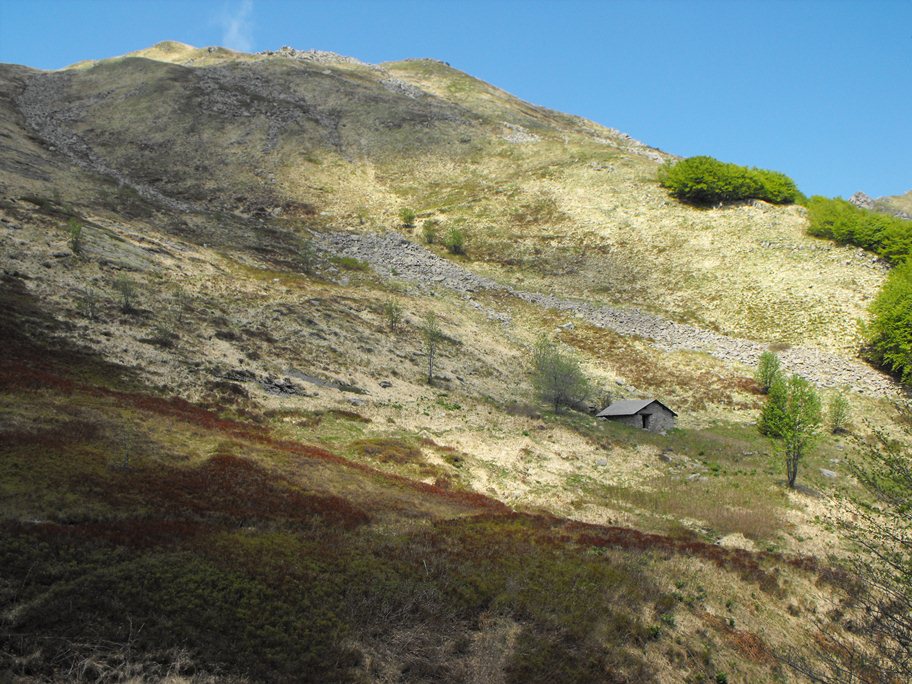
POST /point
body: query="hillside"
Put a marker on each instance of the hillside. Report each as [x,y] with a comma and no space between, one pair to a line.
[204,394]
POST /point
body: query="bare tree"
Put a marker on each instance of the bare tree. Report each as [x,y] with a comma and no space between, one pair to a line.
[557,376]
[433,335]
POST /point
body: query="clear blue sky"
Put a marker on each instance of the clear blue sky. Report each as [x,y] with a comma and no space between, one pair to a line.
[818,89]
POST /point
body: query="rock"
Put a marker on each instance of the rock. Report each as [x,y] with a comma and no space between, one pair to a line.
[860,199]
[666,456]
[356,402]
[828,473]
[602,462]
[385,384]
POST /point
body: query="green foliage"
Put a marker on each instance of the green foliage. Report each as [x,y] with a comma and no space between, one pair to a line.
[838,413]
[768,369]
[839,220]
[556,376]
[455,241]
[792,417]
[703,180]
[889,334]
[407,217]
[351,263]
[429,230]
[74,228]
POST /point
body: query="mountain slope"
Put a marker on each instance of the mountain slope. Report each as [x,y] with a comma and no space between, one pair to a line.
[225,229]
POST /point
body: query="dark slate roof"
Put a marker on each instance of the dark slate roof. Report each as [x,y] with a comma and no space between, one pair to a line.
[629,407]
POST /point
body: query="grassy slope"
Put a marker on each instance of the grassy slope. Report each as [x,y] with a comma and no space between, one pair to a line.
[223,289]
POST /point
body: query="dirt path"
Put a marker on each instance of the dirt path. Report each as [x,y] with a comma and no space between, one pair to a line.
[392,255]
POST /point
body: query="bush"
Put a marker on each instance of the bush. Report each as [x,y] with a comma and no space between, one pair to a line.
[557,377]
[392,312]
[703,180]
[455,241]
[127,289]
[407,216]
[838,413]
[889,334]
[887,236]
[429,231]
[768,369]
[74,228]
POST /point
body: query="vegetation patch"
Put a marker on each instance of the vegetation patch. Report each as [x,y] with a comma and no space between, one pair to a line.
[704,181]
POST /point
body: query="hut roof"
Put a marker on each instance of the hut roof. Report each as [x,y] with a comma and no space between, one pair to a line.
[630,407]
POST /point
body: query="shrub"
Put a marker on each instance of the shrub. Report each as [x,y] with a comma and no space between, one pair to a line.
[74,228]
[407,216]
[392,312]
[838,413]
[351,263]
[887,236]
[703,180]
[556,376]
[768,369]
[88,303]
[429,231]
[127,289]
[455,241]
[889,334]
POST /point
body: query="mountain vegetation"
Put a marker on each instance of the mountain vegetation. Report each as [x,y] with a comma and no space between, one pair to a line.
[704,181]
[270,408]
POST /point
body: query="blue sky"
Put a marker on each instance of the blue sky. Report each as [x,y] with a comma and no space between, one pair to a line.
[818,89]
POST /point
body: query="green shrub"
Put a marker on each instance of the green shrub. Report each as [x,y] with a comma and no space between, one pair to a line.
[74,228]
[455,241]
[768,369]
[392,312]
[407,216]
[429,231]
[887,236]
[838,413]
[703,180]
[889,334]
[351,263]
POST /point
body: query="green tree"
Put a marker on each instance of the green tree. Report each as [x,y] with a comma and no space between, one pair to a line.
[792,418]
[556,376]
[768,369]
[432,336]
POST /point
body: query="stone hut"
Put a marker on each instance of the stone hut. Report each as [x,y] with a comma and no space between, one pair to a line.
[648,414]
